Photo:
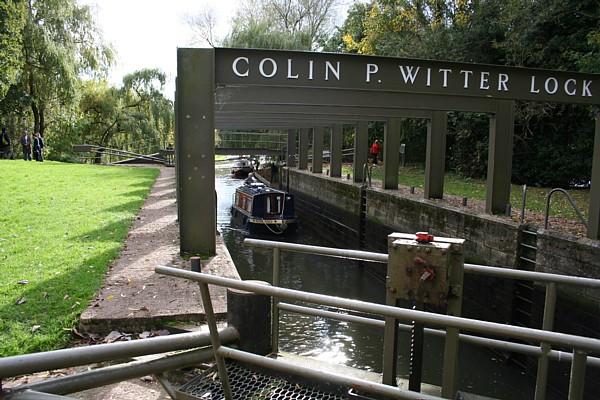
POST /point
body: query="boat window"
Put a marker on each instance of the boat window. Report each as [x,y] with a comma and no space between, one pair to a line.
[249,205]
[274,204]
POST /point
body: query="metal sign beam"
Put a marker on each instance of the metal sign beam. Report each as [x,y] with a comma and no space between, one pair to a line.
[294,69]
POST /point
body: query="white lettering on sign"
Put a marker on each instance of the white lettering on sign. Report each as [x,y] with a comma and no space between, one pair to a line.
[502,82]
[234,66]
[261,67]
[586,92]
[467,75]
[484,81]
[572,91]
[445,72]
[533,89]
[371,69]
[409,75]
[335,71]
[544,85]
[289,72]
[551,85]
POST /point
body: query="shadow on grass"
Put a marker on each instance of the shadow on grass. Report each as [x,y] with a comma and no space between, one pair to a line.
[54,304]
[115,231]
[131,206]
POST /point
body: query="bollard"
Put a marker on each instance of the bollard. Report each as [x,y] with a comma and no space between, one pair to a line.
[348,176]
[250,314]
[464,201]
[412,190]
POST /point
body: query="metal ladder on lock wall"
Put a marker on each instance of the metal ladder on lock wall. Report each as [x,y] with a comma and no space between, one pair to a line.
[523,298]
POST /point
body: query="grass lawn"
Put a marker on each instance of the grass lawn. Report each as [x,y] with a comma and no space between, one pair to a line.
[475,189]
[60,226]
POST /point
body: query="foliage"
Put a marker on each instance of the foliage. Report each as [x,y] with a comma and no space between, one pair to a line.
[12,21]
[281,24]
[59,43]
[553,34]
[62,255]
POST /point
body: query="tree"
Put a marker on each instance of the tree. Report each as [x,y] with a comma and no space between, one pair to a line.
[60,42]
[281,24]
[136,117]
[12,21]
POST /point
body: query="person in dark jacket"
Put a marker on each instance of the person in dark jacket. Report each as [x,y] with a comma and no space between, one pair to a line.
[26,144]
[4,144]
[38,145]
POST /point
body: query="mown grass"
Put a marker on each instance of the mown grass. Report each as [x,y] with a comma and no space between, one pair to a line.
[60,226]
[475,189]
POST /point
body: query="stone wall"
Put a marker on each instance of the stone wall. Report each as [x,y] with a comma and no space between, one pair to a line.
[578,308]
[332,206]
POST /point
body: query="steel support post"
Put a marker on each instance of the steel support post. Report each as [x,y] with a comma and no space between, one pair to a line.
[291,148]
[577,379]
[502,127]
[593,225]
[390,346]
[435,159]
[416,353]
[454,309]
[303,148]
[317,159]
[391,153]
[196,150]
[547,325]
[337,140]
[275,308]
[214,338]
[361,150]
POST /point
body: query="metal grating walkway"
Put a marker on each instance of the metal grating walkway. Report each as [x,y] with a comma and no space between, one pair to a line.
[253,384]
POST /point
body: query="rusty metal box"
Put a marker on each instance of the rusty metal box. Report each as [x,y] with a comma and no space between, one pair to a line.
[419,271]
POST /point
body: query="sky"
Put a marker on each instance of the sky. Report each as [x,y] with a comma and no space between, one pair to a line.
[146,33]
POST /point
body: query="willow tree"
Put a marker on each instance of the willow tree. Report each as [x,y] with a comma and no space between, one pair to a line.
[136,117]
[60,43]
[12,20]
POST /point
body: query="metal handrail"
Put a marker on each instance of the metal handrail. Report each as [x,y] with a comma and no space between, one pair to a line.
[541,277]
[547,211]
[534,351]
[367,170]
[64,358]
[523,202]
[580,345]
[544,352]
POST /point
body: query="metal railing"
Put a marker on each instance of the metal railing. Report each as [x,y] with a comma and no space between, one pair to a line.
[580,346]
[544,352]
[65,358]
[571,201]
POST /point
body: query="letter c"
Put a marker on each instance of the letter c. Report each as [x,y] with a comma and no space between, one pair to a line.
[234,66]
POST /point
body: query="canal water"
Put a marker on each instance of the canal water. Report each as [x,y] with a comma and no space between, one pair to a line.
[359,346]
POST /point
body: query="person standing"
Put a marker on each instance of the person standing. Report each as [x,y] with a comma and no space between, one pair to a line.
[375,149]
[38,145]
[4,144]
[26,144]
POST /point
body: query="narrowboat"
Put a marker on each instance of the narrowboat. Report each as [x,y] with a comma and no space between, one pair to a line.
[263,209]
[241,168]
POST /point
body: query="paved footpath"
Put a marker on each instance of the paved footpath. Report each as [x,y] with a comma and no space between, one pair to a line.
[134,298]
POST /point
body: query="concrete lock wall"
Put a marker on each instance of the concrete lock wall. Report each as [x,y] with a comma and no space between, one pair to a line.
[332,206]
[577,308]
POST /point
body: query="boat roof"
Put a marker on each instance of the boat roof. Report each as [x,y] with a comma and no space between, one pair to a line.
[257,188]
